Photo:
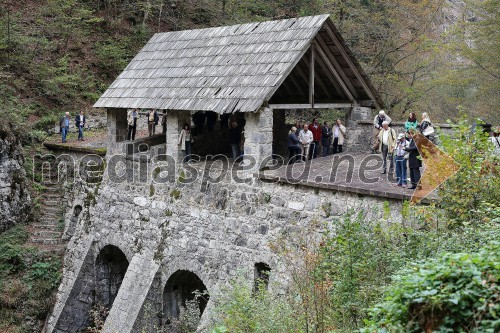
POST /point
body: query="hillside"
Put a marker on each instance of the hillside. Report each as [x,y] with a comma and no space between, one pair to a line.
[60,55]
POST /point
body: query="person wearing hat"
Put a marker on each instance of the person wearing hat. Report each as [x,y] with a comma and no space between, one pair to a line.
[377,127]
[387,144]
[400,155]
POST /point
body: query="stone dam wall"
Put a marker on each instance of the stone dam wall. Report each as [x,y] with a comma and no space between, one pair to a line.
[139,246]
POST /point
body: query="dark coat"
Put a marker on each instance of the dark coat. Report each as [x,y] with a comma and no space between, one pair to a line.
[77,121]
[293,141]
[326,135]
[235,135]
[413,160]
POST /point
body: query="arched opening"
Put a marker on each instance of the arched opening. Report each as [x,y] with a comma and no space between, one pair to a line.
[179,294]
[77,210]
[73,221]
[111,266]
[261,275]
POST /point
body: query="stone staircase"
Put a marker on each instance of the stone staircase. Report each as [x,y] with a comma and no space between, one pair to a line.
[47,230]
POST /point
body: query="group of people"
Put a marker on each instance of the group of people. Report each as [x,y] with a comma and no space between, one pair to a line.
[236,136]
[64,124]
[401,149]
[152,118]
[308,141]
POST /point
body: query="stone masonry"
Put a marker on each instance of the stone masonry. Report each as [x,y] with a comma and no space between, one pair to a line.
[212,229]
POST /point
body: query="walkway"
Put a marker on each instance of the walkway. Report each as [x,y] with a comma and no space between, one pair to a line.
[356,173]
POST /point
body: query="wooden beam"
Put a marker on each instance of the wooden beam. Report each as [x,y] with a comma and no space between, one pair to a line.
[311,75]
[307,65]
[335,81]
[337,66]
[338,79]
[311,106]
[354,69]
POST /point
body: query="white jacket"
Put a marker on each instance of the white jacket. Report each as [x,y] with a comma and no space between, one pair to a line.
[305,138]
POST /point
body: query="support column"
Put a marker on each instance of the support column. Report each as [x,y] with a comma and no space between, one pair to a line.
[117,128]
[258,136]
[359,138]
[175,122]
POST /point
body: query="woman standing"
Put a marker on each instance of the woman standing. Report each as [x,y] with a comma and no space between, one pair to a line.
[185,141]
[426,128]
[339,136]
[412,122]
[414,163]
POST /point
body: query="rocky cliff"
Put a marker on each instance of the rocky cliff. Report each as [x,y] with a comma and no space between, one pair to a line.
[15,200]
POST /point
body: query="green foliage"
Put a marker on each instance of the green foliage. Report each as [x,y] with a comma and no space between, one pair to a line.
[360,256]
[472,195]
[175,194]
[28,281]
[239,308]
[453,293]
[188,321]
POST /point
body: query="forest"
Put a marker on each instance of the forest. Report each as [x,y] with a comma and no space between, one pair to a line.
[434,56]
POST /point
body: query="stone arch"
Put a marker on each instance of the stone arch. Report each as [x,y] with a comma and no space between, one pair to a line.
[180,287]
[111,265]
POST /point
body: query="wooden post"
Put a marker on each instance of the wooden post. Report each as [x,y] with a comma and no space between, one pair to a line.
[311,77]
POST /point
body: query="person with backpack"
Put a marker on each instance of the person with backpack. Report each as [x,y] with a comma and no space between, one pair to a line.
[387,139]
[152,121]
[64,126]
[377,127]
[80,123]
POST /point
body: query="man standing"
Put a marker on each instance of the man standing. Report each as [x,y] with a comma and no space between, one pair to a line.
[305,139]
[164,122]
[152,121]
[316,132]
[326,138]
[132,123]
[80,123]
[414,163]
[339,135]
[377,127]
[235,139]
[387,139]
[64,126]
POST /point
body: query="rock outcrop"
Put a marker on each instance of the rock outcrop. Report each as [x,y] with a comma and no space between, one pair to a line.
[15,200]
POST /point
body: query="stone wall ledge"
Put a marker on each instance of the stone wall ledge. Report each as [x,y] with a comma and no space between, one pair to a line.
[346,188]
[76,149]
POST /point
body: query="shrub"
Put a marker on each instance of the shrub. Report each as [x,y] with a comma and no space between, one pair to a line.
[238,308]
[468,197]
[454,293]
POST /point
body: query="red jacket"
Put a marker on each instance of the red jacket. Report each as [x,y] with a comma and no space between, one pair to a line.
[316,132]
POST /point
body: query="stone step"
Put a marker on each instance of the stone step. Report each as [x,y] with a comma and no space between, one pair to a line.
[49,241]
[50,226]
[49,218]
[51,209]
[46,234]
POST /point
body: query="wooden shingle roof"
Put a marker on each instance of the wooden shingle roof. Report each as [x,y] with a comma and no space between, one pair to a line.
[224,69]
